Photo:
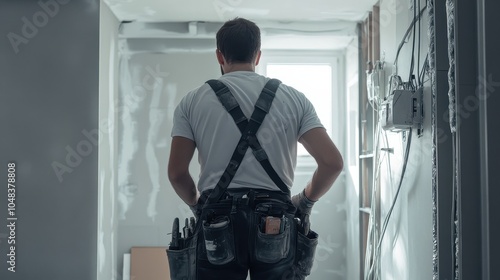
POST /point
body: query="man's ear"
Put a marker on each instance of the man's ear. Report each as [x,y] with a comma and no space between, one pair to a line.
[257,58]
[220,57]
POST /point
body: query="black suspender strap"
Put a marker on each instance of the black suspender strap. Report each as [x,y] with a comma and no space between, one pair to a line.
[248,131]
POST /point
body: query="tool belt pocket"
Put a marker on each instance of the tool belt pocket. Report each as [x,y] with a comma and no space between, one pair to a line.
[272,243]
[182,263]
[305,250]
[219,241]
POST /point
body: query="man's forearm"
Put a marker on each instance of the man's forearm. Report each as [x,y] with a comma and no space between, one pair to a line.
[321,182]
[185,188]
[330,163]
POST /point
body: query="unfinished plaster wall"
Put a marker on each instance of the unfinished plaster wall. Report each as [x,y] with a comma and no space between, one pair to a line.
[407,246]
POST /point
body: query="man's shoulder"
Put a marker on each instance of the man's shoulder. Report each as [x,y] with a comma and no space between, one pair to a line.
[194,93]
[293,93]
[289,89]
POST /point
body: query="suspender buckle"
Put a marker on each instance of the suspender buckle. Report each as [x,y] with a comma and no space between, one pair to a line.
[260,154]
[265,100]
[233,166]
[227,99]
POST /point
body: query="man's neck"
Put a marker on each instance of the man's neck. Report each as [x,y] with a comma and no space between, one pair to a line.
[239,67]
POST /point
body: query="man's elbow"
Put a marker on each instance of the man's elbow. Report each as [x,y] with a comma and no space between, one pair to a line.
[175,175]
[336,164]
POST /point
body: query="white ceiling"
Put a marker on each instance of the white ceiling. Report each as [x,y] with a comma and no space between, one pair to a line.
[256,10]
[285,24]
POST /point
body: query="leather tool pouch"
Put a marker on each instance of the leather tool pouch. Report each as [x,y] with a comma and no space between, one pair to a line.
[182,262]
[304,253]
[219,241]
[275,246]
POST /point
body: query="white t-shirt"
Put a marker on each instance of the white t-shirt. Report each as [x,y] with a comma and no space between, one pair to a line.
[201,117]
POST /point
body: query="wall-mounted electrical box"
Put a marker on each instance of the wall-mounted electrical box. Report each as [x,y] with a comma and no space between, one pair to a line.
[402,110]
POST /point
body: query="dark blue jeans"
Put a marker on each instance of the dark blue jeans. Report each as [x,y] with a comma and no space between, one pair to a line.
[242,246]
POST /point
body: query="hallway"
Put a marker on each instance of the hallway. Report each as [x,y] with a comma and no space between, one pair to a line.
[406,89]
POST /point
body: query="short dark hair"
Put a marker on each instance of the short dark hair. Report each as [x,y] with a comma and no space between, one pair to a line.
[239,40]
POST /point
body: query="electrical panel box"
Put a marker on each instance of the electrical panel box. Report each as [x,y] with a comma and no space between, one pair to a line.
[402,110]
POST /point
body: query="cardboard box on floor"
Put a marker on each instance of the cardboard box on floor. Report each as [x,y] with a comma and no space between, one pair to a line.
[149,263]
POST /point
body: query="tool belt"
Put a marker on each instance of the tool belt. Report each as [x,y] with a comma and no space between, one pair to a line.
[277,227]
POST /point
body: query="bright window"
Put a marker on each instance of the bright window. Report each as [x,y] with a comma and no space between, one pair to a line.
[315,81]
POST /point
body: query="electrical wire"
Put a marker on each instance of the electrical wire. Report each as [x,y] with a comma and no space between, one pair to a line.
[414,35]
[374,104]
[419,44]
[425,66]
[407,33]
[372,238]
[403,171]
[371,234]
[378,270]
[388,216]
[372,254]
[376,261]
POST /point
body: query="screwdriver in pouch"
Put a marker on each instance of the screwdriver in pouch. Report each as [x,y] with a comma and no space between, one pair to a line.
[175,244]
[282,224]
[185,229]
[192,225]
[306,224]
